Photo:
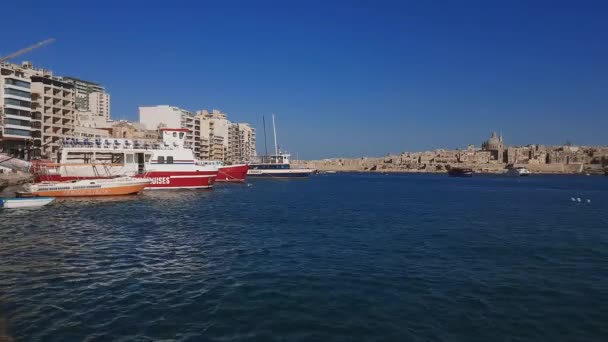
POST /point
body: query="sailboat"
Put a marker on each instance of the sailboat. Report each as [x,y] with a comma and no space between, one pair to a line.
[276,165]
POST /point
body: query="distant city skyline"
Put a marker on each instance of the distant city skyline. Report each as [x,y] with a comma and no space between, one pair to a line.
[344,78]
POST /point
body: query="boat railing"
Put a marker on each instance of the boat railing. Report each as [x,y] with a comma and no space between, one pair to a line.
[115,144]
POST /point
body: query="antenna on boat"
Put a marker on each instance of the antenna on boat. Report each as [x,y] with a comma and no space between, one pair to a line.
[276,147]
[265,145]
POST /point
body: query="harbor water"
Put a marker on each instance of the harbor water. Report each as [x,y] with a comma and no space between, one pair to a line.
[339,257]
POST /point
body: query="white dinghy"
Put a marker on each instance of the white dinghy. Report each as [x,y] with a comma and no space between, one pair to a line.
[12,203]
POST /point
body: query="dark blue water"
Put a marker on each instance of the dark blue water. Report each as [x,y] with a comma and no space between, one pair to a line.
[332,258]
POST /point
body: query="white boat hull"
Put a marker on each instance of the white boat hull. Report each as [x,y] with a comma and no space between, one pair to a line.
[13,203]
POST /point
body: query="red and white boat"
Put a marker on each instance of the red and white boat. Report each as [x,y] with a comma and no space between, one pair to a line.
[228,173]
[168,164]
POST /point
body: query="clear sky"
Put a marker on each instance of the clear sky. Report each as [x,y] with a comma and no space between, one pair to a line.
[345,78]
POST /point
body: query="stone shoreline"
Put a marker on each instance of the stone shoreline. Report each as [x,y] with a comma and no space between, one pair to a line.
[378,166]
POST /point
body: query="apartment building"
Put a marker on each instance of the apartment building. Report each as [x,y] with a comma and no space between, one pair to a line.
[215,130]
[90,97]
[17,124]
[99,104]
[246,143]
[53,100]
[238,139]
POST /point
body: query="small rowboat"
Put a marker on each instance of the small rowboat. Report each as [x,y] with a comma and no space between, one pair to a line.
[11,203]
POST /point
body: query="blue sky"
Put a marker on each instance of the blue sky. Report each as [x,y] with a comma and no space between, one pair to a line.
[345,78]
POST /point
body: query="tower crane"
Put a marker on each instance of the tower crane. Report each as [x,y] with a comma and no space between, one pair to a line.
[26,50]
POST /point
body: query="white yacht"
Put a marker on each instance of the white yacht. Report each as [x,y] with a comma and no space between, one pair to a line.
[519,171]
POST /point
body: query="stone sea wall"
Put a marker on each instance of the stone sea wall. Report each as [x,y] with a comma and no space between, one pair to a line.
[383,165]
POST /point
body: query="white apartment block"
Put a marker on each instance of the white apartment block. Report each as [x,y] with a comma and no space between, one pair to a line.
[99,104]
[16,122]
[90,97]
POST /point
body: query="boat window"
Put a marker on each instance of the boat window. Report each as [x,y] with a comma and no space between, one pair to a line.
[170,160]
[175,134]
[118,158]
[101,157]
[148,156]
[161,159]
[130,159]
[181,135]
[59,157]
[79,157]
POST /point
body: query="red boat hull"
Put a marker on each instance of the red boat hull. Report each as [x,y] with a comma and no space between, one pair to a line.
[232,173]
[160,179]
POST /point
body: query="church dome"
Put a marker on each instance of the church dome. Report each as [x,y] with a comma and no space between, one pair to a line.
[494,143]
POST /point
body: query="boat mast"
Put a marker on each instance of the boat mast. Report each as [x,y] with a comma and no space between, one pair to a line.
[265,144]
[276,147]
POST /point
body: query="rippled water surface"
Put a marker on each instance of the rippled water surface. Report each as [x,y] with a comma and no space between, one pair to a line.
[332,258]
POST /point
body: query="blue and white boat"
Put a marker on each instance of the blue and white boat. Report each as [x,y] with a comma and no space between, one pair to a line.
[12,203]
[276,166]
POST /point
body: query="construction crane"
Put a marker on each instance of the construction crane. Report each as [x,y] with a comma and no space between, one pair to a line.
[26,50]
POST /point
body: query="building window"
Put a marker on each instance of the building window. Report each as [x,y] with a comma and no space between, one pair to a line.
[21,132]
[13,111]
[17,83]
[16,92]
[18,103]
[16,122]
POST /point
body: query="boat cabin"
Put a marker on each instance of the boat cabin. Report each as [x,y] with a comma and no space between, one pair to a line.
[129,156]
[272,162]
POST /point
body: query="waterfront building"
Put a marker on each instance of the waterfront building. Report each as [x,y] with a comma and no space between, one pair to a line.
[216,130]
[17,124]
[53,98]
[90,97]
[237,139]
[246,143]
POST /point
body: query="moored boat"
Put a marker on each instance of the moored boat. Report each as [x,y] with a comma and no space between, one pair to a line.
[168,163]
[277,166]
[460,172]
[85,188]
[227,173]
[12,203]
[519,171]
